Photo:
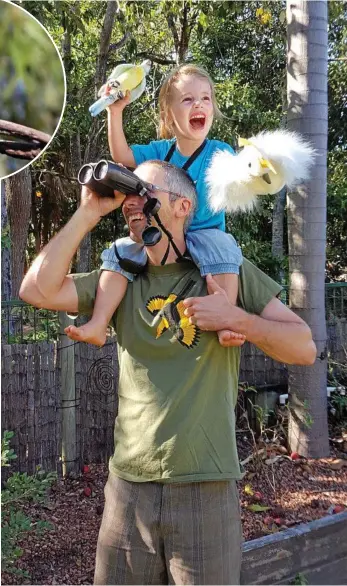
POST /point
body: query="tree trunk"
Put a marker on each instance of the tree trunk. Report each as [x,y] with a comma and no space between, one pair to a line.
[18,200]
[277,223]
[306,209]
[6,287]
[180,28]
[277,227]
[280,201]
[93,144]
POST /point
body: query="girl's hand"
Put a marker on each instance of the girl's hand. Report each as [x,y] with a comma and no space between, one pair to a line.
[118,105]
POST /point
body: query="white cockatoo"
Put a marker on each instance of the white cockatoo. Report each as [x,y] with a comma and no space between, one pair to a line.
[125,77]
[268,162]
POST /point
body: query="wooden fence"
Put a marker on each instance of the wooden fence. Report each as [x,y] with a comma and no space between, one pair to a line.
[33,403]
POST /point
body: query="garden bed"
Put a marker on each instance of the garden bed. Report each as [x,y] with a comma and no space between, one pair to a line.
[295,492]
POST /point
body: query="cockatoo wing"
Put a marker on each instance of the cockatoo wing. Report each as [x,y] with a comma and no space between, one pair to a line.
[117,71]
[138,91]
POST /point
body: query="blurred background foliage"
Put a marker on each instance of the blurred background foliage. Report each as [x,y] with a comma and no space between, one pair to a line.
[243,46]
[32,86]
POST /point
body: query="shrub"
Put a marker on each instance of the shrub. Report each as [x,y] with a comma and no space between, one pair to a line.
[19,490]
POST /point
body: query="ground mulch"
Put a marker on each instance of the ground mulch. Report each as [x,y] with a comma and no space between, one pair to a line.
[295,490]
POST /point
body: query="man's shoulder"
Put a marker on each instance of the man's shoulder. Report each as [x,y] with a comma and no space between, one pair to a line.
[91,276]
[256,289]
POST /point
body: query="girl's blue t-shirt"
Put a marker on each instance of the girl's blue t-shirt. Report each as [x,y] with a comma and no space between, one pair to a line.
[158,149]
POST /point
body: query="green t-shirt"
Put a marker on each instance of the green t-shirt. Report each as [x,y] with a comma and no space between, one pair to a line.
[177,385]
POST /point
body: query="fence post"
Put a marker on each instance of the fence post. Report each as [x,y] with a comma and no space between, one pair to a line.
[68,398]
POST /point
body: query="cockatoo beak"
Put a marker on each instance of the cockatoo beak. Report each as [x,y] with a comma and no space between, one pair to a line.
[266,178]
[265,163]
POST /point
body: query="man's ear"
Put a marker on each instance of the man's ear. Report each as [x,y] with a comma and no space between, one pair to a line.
[183,208]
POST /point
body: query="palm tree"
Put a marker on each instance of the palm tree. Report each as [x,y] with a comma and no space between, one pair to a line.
[307,39]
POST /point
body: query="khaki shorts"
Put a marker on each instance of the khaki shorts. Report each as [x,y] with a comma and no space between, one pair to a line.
[179,533]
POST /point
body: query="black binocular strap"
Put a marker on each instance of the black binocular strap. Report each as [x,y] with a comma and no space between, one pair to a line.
[191,159]
[187,164]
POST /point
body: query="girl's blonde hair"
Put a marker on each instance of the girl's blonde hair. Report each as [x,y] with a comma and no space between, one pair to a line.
[165,127]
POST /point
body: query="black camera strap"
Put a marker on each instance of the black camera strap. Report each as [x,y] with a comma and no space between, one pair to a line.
[191,159]
[185,256]
[134,267]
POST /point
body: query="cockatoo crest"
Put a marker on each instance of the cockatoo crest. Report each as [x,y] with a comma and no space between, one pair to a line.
[267,162]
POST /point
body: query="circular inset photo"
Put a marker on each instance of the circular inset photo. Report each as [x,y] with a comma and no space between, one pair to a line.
[32,88]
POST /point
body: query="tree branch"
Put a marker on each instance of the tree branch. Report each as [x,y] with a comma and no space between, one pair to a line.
[54,173]
[172,26]
[120,44]
[34,140]
[156,58]
[19,150]
[18,130]
[146,105]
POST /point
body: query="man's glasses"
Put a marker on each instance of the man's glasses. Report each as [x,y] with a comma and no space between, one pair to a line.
[155,188]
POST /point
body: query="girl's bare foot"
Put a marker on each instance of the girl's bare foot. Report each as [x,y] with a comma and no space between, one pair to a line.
[90,332]
[228,338]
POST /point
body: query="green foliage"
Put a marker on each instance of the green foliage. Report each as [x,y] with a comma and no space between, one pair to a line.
[7,453]
[5,238]
[242,45]
[32,85]
[15,524]
[339,404]
[253,232]
[29,61]
[337,212]
[22,323]
[300,579]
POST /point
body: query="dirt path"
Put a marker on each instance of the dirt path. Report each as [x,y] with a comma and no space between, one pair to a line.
[295,491]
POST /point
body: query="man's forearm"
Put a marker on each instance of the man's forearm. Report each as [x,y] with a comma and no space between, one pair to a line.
[47,273]
[277,331]
[287,342]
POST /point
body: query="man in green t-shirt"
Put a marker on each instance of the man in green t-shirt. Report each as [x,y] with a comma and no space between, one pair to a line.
[172,513]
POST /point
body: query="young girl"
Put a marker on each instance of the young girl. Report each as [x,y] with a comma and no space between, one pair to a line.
[187,105]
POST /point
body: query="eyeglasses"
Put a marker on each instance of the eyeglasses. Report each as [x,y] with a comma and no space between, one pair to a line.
[154,188]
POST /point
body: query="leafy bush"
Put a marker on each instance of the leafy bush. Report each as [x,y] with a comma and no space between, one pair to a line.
[15,524]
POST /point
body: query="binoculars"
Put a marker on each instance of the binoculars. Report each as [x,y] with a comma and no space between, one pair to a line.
[105,177]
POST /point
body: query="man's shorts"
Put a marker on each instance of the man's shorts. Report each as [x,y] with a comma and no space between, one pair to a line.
[179,533]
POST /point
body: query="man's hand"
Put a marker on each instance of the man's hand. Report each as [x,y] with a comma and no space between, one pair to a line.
[96,206]
[215,312]
[278,331]
[46,283]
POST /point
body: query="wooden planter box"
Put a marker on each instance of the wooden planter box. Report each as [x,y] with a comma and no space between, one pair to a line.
[316,550]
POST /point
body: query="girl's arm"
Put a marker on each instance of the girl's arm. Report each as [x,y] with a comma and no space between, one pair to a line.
[119,148]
